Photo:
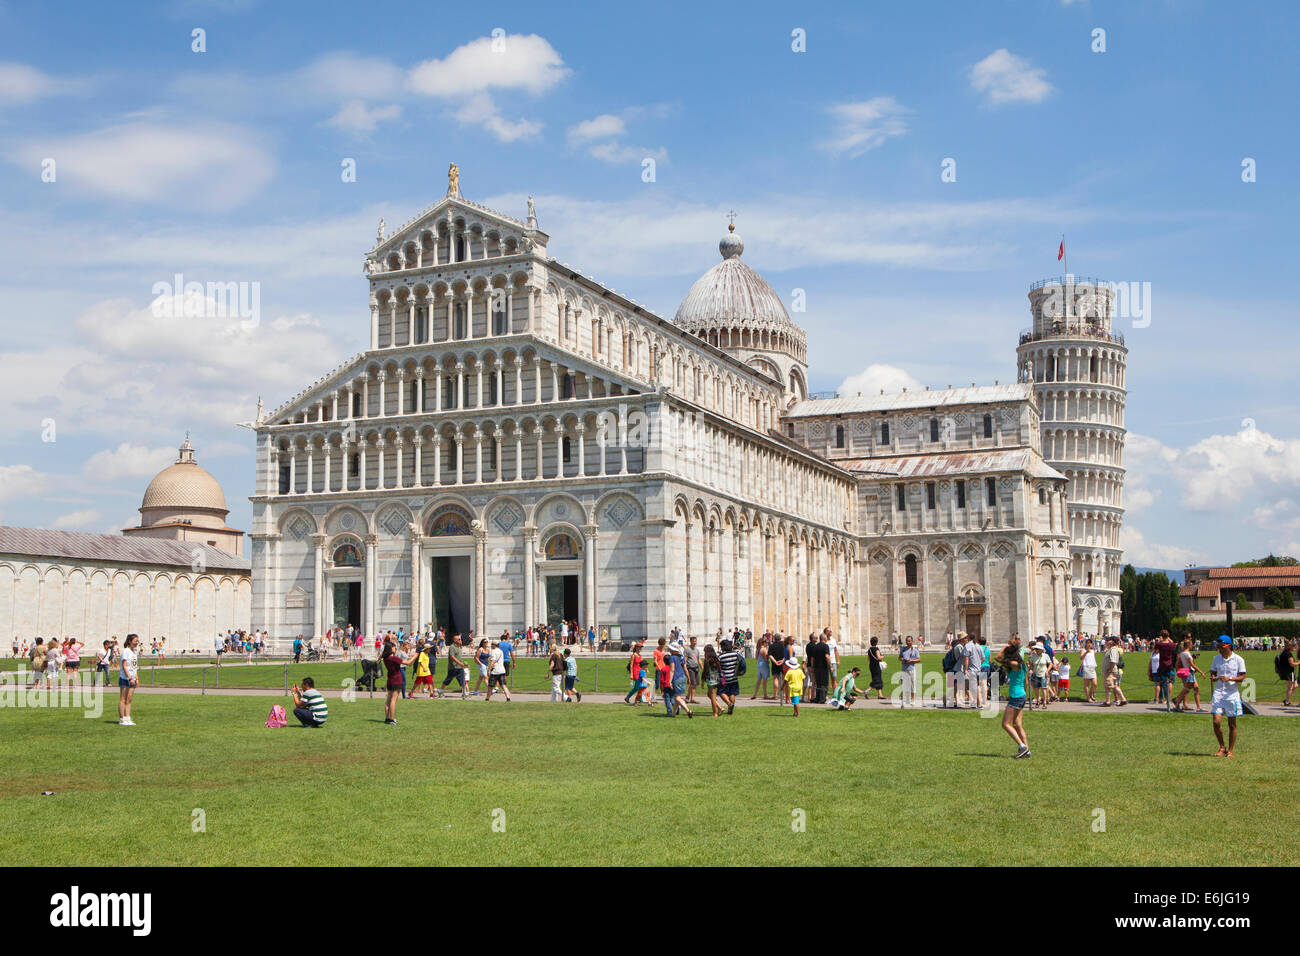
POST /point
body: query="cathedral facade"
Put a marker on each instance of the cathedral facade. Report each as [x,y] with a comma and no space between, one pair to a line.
[520,444]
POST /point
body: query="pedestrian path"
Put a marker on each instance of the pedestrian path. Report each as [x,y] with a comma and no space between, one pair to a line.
[1265,708]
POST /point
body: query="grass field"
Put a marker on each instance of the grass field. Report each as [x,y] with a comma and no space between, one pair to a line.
[530,675]
[606,784]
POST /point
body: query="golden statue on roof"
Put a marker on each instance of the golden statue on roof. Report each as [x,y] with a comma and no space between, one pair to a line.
[453,180]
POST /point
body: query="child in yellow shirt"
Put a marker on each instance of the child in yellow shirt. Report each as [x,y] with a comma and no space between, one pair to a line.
[794,677]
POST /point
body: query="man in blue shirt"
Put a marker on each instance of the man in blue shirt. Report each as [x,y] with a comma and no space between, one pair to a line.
[507,652]
[297,648]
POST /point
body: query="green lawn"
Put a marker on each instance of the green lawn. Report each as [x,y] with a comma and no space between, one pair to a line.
[605,784]
[610,675]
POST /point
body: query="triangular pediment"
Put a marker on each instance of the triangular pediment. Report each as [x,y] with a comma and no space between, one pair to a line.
[457,208]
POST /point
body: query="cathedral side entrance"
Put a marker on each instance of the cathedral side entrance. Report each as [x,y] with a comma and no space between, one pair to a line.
[347,604]
[561,599]
[451,592]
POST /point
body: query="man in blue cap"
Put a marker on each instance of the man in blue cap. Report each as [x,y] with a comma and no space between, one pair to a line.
[1227,672]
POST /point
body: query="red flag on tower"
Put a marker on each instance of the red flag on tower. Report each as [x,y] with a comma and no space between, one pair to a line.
[1060,253]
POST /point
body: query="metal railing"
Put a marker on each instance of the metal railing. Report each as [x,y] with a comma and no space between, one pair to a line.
[1069,280]
[1071,329]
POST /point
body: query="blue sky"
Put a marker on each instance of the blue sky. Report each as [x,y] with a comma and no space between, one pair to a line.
[224,165]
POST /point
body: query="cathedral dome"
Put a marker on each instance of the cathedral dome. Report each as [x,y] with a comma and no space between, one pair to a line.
[184,486]
[731,295]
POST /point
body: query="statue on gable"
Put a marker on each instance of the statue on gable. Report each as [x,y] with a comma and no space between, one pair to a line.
[379,236]
[453,180]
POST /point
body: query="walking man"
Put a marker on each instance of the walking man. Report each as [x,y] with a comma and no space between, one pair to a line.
[1110,671]
[691,653]
[909,657]
[1227,672]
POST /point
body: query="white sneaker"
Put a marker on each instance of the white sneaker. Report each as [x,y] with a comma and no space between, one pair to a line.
[127,722]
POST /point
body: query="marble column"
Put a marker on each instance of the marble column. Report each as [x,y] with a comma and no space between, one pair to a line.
[370,541]
[589,583]
[417,592]
[530,575]
[480,581]
[319,603]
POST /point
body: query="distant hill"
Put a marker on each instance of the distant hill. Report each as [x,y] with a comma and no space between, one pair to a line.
[1176,575]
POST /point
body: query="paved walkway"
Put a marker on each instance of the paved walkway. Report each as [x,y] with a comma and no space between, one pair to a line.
[1265,708]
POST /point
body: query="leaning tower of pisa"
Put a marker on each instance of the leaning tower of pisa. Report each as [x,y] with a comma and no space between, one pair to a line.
[1076,362]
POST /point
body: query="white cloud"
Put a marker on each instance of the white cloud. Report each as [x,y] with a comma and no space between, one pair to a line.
[602,134]
[1221,472]
[1004,77]
[617,153]
[129,375]
[275,253]
[480,110]
[21,84]
[355,117]
[208,165]
[659,235]
[21,481]
[512,62]
[1168,556]
[864,125]
[128,460]
[1282,515]
[78,520]
[876,378]
[345,76]
[605,126]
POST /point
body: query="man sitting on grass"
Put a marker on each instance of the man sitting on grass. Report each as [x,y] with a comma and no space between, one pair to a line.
[309,704]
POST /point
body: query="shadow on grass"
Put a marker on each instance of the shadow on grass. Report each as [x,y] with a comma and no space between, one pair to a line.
[997,756]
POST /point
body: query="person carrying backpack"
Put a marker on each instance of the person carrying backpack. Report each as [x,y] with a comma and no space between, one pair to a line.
[950,664]
[1285,666]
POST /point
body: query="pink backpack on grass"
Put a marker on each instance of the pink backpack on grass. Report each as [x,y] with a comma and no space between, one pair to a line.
[277,718]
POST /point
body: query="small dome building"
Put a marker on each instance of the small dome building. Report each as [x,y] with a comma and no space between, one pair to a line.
[732,307]
[185,503]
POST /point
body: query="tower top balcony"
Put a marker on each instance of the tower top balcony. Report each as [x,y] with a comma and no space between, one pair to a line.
[1071,306]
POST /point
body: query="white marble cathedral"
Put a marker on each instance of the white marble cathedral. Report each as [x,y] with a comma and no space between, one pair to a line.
[520,444]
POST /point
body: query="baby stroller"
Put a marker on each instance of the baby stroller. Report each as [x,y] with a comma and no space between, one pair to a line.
[369,671]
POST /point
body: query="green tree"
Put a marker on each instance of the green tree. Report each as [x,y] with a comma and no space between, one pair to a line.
[1271,561]
[1128,598]
[1273,598]
[1242,602]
